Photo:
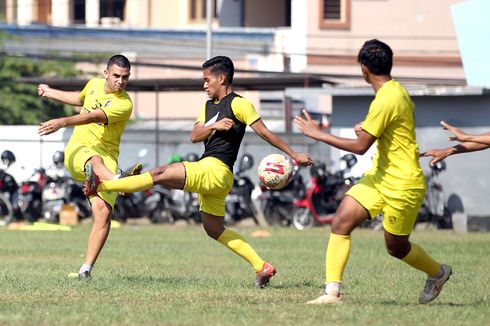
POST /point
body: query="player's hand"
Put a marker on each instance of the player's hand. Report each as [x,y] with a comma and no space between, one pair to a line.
[308,126]
[437,154]
[459,135]
[42,90]
[302,159]
[49,127]
[357,128]
[223,124]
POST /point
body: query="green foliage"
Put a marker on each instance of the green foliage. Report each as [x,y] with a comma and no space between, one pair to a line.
[177,275]
[19,102]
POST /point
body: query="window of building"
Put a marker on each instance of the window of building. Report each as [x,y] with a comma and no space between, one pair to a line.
[198,9]
[334,14]
[112,8]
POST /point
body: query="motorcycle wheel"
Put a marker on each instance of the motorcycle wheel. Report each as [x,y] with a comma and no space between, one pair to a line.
[161,216]
[445,221]
[303,219]
[6,211]
[275,218]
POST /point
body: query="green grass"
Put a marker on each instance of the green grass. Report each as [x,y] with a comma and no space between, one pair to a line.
[163,275]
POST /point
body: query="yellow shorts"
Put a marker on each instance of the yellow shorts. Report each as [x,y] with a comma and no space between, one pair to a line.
[400,208]
[212,180]
[76,155]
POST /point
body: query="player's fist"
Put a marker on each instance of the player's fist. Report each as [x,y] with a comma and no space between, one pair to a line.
[42,90]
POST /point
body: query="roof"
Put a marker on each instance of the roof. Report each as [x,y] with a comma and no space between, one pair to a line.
[279,82]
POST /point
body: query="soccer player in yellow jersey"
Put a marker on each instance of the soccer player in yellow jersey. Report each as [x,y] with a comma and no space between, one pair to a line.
[468,143]
[394,185]
[94,144]
[221,126]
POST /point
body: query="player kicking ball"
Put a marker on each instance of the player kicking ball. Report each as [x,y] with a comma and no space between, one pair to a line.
[221,126]
[395,184]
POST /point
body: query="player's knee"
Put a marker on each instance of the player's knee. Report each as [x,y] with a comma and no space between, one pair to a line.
[397,250]
[341,224]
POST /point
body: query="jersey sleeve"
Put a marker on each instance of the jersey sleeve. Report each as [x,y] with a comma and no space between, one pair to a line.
[83,93]
[118,110]
[377,119]
[202,115]
[244,110]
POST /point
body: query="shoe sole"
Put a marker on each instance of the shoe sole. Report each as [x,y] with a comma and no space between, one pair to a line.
[89,175]
[442,285]
[266,281]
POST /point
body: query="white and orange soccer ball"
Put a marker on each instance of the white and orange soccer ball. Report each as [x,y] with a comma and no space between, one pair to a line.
[275,171]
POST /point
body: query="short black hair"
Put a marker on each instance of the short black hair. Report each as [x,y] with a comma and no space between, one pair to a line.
[120,61]
[376,56]
[220,65]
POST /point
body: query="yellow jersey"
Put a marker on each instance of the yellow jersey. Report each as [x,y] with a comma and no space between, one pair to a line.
[391,120]
[116,106]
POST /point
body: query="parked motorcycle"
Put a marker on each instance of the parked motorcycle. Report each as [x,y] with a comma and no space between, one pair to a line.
[166,205]
[434,209]
[8,198]
[323,195]
[8,190]
[277,205]
[30,196]
[60,191]
[239,204]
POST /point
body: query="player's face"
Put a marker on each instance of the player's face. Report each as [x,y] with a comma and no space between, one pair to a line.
[212,83]
[116,78]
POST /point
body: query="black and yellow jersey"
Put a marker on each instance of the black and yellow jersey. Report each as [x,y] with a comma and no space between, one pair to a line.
[224,145]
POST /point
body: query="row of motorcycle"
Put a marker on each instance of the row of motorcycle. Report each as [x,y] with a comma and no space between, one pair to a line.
[300,205]
[40,195]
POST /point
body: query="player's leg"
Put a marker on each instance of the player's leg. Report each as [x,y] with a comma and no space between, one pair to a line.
[99,168]
[347,217]
[171,176]
[398,225]
[214,227]
[101,212]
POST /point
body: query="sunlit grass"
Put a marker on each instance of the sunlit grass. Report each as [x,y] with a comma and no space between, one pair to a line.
[150,275]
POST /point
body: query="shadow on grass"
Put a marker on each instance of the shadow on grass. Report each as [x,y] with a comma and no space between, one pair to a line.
[437,303]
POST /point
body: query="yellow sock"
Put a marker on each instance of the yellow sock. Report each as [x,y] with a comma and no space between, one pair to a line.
[338,251]
[419,259]
[134,183]
[238,245]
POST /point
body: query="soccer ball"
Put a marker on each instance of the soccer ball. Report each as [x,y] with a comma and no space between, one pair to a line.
[275,171]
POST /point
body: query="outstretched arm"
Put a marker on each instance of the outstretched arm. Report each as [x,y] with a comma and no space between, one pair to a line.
[48,127]
[359,145]
[440,154]
[461,136]
[70,98]
[260,129]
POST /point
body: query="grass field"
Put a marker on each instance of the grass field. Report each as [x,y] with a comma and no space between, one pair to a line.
[149,275]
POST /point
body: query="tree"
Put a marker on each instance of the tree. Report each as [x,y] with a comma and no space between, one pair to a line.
[19,102]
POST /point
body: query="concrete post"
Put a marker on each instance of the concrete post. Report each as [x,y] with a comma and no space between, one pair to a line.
[25,10]
[60,13]
[92,13]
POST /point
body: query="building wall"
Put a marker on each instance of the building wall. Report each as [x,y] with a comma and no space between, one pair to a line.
[421,34]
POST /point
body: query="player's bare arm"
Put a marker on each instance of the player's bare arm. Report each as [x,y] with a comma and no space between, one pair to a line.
[310,128]
[461,136]
[200,131]
[441,153]
[260,129]
[70,98]
[53,125]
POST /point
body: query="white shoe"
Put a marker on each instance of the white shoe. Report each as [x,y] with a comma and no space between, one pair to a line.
[433,287]
[328,299]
